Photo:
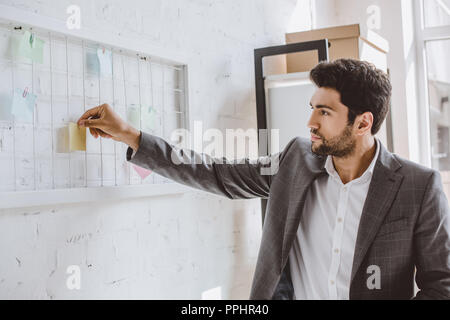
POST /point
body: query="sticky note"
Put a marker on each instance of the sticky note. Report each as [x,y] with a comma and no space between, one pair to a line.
[92,64]
[143,173]
[62,140]
[133,116]
[77,137]
[149,117]
[5,107]
[105,61]
[23,105]
[31,47]
[37,53]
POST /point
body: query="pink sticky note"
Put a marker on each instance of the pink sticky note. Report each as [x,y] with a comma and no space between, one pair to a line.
[143,173]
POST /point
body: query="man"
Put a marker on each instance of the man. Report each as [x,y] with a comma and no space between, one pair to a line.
[345,219]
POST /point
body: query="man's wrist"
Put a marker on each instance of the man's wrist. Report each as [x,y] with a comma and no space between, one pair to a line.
[132,138]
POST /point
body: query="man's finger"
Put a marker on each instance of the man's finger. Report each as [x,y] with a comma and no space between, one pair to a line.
[97,132]
[96,123]
[93,132]
[90,113]
[104,135]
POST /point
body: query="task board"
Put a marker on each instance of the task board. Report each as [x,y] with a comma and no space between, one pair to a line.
[69,77]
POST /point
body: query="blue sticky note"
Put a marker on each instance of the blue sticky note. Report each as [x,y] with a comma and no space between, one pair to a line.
[105,60]
[23,105]
[92,64]
[5,107]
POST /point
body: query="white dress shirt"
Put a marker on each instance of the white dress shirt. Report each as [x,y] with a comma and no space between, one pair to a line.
[321,257]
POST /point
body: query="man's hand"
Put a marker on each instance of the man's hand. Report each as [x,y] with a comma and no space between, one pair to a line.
[103,121]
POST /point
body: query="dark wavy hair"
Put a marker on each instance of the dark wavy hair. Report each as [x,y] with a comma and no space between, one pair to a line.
[362,86]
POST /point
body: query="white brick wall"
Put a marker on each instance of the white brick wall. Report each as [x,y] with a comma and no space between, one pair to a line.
[172,247]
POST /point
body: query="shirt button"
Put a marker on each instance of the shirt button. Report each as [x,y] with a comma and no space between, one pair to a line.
[339,219]
[332,282]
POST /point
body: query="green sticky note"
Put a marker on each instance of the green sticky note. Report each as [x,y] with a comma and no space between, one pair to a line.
[149,117]
[133,116]
[31,47]
[23,105]
[37,54]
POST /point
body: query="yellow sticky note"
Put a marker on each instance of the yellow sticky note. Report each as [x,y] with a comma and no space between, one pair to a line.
[77,137]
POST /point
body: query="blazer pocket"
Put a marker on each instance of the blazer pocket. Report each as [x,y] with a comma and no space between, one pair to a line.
[392,227]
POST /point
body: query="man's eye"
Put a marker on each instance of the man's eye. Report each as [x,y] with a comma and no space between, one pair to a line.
[324,113]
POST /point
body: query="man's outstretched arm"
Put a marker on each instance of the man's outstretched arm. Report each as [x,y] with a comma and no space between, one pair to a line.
[241,179]
[233,179]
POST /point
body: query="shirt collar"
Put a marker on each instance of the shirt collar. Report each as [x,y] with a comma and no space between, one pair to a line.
[329,166]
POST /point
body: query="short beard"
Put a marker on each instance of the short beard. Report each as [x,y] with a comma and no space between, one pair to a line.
[341,146]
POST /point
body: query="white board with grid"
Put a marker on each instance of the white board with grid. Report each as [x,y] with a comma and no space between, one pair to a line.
[34,154]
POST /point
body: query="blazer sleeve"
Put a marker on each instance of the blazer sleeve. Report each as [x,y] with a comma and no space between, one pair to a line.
[432,243]
[238,179]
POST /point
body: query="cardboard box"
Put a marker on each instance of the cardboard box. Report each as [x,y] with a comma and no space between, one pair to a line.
[345,42]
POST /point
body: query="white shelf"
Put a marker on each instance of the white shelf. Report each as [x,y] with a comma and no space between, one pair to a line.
[287,80]
[23,199]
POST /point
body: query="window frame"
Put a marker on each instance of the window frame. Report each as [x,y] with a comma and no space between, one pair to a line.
[423,35]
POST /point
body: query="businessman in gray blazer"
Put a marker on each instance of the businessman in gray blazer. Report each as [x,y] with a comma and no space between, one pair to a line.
[345,219]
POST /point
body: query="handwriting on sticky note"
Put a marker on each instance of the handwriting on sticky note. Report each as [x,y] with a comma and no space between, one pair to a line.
[77,137]
[143,173]
[23,105]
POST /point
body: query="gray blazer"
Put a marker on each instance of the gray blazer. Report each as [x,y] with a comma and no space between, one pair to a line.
[404,227]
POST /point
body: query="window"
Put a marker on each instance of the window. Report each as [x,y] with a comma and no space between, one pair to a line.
[436,13]
[433,44]
[438,77]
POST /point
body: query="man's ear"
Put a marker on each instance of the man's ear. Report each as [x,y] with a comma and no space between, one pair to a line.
[364,122]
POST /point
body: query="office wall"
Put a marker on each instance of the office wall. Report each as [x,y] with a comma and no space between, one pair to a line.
[171,247]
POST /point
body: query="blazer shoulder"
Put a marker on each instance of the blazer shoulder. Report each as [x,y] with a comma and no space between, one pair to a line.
[298,146]
[415,170]
[298,150]
[299,143]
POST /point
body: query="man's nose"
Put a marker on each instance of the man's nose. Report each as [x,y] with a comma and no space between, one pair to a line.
[312,123]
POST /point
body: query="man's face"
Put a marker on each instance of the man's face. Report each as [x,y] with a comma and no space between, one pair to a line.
[330,132]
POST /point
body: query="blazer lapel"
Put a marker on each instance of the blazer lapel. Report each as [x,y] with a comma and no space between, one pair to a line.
[382,192]
[304,177]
